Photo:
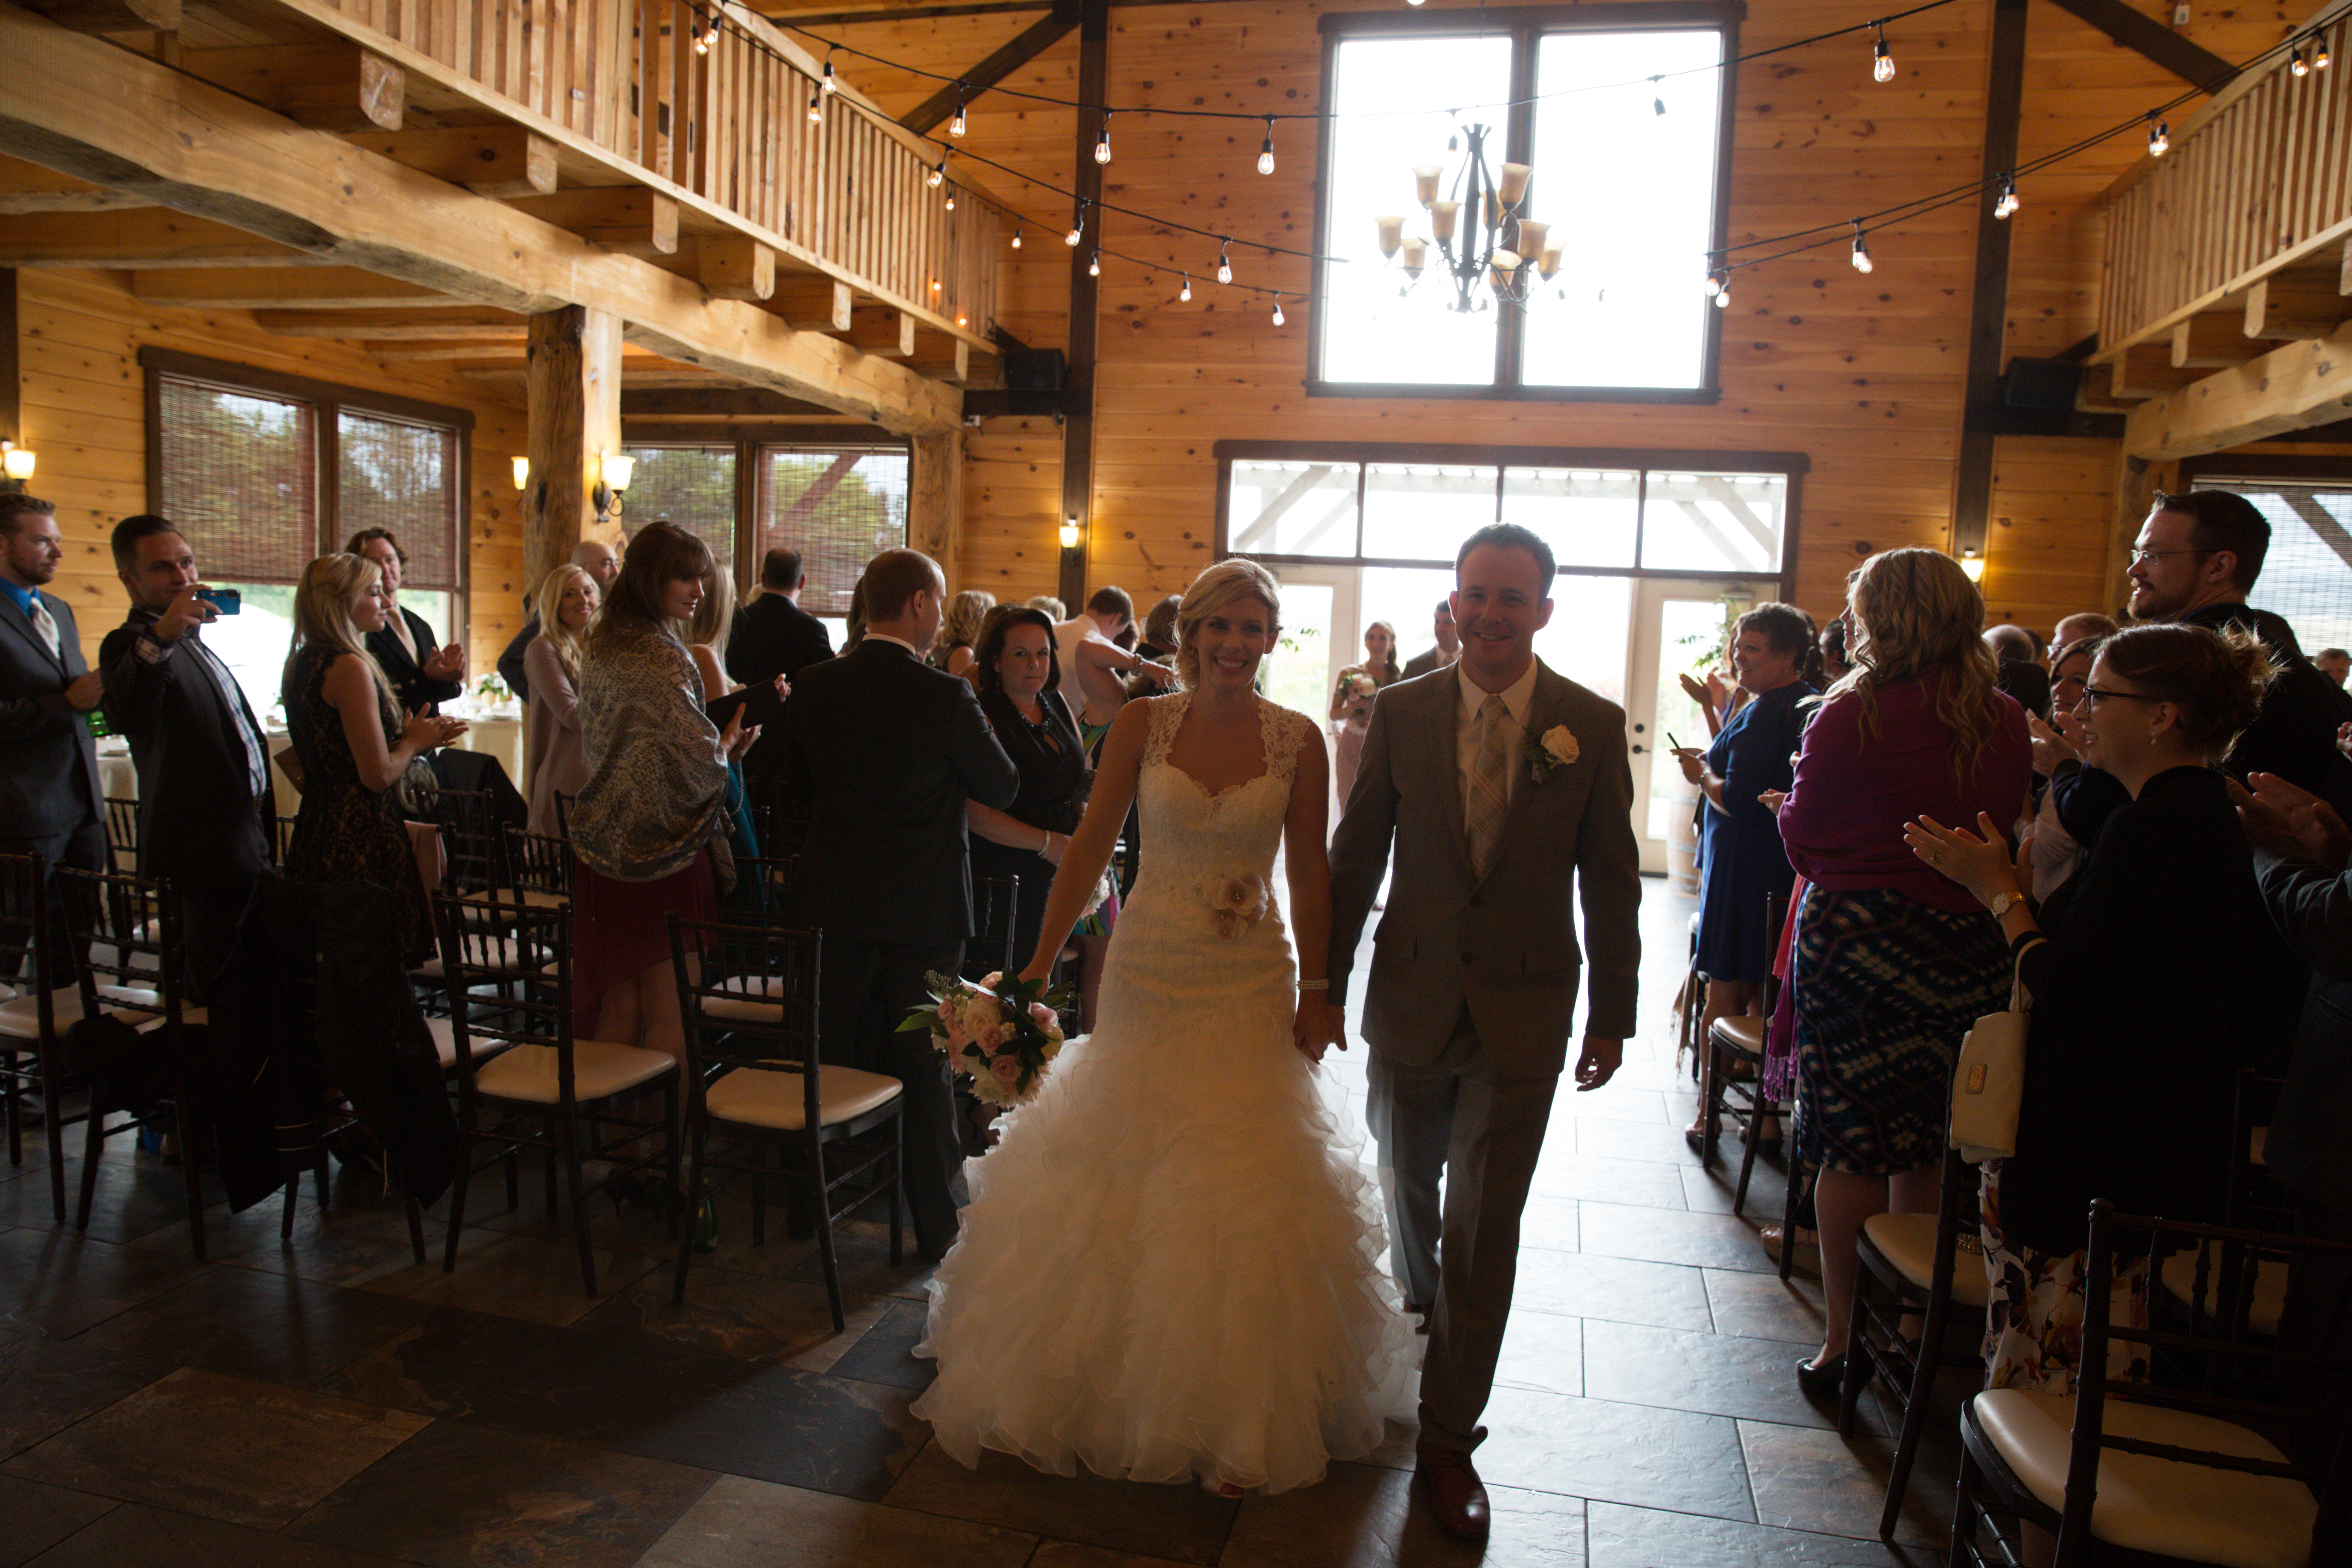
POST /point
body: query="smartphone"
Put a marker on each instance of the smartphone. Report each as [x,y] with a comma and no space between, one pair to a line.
[1678,745]
[226,601]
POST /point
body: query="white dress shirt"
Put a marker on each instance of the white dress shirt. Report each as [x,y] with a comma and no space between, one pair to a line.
[1516,699]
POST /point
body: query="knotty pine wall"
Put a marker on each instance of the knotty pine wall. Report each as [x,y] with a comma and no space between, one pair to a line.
[1865,376]
[85,417]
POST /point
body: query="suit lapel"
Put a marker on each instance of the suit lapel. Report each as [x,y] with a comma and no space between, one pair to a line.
[23,623]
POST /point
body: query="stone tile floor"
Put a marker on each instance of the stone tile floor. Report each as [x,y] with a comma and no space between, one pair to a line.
[325,1401]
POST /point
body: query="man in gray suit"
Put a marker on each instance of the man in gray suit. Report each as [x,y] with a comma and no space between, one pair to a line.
[49,800]
[1499,784]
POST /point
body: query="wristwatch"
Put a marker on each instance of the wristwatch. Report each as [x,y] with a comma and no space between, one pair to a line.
[2003,902]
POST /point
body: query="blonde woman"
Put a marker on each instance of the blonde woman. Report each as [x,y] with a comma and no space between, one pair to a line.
[567,606]
[959,632]
[1891,963]
[354,745]
[1351,704]
[1208,1302]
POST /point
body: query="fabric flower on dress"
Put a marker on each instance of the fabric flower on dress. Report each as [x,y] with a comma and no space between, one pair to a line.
[1236,903]
[1555,748]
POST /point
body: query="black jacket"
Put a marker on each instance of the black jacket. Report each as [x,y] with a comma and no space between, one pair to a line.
[48,765]
[199,822]
[2313,909]
[411,688]
[2292,736]
[510,662]
[885,750]
[771,636]
[2161,978]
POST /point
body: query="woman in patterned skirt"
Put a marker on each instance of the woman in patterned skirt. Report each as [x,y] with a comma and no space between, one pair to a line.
[1891,963]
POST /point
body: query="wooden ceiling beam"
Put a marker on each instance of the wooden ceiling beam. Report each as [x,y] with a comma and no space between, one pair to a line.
[817,303]
[631,219]
[85,107]
[731,267]
[715,402]
[29,188]
[329,86]
[405,350]
[2145,36]
[137,236]
[2213,342]
[890,334]
[2284,308]
[455,322]
[111,15]
[2291,388]
[286,289]
[488,160]
[1025,46]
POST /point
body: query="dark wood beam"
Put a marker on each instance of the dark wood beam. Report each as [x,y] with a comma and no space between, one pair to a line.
[1026,46]
[1989,311]
[2145,36]
[718,403]
[1078,429]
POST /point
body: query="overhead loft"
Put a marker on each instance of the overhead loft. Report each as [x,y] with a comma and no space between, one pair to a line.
[2225,307]
[424,191]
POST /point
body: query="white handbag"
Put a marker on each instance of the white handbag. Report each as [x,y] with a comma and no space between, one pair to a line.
[1990,1081]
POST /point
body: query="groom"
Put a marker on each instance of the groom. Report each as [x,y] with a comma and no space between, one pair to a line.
[1500,783]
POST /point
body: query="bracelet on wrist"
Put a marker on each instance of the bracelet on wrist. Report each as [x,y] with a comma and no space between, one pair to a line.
[1315,986]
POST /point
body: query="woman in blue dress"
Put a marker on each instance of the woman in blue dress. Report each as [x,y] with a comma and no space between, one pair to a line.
[1772,656]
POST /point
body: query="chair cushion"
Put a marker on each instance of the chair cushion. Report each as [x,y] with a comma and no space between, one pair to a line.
[1744,1033]
[771,1098]
[21,1019]
[598,1070]
[1908,1242]
[2262,1314]
[2165,1507]
[444,1043]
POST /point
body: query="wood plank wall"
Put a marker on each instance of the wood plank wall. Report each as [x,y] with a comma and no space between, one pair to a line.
[85,416]
[1863,376]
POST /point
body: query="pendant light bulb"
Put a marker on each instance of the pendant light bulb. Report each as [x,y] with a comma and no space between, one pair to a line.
[1882,58]
[2319,55]
[1266,152]
[1723,293]
[2007,202]
[1658,105]
[1094,265]
[1016,236]
[1224,261]
[1277,310]
[1078,227]
[957,124]
[1713,285]
[826,82]
[1184,295]
[2160,137]
[817,109]
[951,198]
[2297,63]
[1102,140]
[701,39]
[1861,248]
[939,175]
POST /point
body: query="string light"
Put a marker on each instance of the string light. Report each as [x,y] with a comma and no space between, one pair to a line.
[2319,55]
[1723,291]
[1094,268]
[939,175]
[951,198]
[1077,226]
[2297,63]
[1224,261]
[1861,248]
[1184,295]
[2007,202]
[2160,137]
[1277,310]
[1713,285]
[826,82]
[1016,236]
[1658,104]
[1102,140]
[1266,153]
[1882,58]
[957,125]
[702,39]
[816,107]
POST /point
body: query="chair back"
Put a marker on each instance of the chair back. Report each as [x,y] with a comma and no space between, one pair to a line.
[470,842]
[538,863]
[2213,1365]
[995,914]
[281,840]
[25,955]
[775,876]
[122,832]
[748,996]
[508,969]
[125,935]
[564,815]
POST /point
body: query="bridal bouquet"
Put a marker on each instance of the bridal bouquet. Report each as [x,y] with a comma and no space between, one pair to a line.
[1001,1029]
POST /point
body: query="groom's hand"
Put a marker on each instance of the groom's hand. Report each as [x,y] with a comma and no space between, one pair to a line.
[1599,1063]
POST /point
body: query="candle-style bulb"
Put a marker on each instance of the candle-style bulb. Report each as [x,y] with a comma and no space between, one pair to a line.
[1860,250]
[1882,58]
[939,175]
[1184,295]
[1225,262]
[1266,152]
[957,124]
[1277,310]
[2160,137]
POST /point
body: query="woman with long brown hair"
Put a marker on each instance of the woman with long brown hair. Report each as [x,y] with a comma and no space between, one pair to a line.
[1892,963]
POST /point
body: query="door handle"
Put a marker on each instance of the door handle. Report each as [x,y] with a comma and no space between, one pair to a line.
[1637,750]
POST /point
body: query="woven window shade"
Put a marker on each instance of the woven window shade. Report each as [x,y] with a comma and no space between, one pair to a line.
[401,475]
[693,487]
[839,507]
[240,476]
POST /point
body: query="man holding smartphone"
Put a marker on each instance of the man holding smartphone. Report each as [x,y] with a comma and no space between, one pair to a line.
[204,809]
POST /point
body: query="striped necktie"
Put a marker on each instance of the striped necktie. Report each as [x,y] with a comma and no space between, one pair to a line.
[46,624]
[1489,790]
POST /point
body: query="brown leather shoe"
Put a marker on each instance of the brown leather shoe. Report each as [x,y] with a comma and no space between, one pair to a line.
[1455,1494]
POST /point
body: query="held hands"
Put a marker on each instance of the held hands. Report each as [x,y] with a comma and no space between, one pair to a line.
[426,730]
[1599,1063]
[1318,1025]
[1772,800]
[1981,865]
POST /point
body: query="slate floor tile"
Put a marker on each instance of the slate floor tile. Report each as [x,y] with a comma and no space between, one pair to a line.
[1621,1099]
[1070,1555]
[267,1452]
[1715,1374]
[135,1533]
[1625,1453]
[1178,1521]
[47,1385]
[1365,1517]
[1543,1351]
[1660,1140]
[137,1193]
[792,1428]
[55,1282]
[1822,1482]
[751,1317]
[1581,1284]
[884,1353]
[1567,1174]
[360,1231]
[454,1496]
[1622,1537]
[1711,1192]
[34,1517]
[741,1523]
[277,1328]
[1760,1307]
[514,1275]
[1700,1240]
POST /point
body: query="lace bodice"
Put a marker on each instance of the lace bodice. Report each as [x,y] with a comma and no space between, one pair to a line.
[1196,834]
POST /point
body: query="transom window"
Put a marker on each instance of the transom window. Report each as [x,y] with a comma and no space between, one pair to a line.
[1620,113]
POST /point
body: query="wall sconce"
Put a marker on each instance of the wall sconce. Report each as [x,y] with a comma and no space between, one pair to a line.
[1070,534]
[17,463]
[614,472]
[521,472]
[1972,564]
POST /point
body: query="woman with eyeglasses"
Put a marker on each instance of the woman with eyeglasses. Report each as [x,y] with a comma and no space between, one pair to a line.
[2155,974]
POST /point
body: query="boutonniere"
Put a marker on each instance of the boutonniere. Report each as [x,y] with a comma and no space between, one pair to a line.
[1555,748]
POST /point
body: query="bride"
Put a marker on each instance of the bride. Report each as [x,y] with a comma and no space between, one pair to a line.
[1170,1267]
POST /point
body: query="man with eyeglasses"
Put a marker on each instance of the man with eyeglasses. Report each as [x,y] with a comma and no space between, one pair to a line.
[2195,560]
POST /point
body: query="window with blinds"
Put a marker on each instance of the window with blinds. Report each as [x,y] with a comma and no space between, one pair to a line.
[838,506]
[402,475]
[2307,570]
[240,476]
[693,487]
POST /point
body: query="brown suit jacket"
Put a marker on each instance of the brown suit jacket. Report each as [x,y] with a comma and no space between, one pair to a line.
[1504,944]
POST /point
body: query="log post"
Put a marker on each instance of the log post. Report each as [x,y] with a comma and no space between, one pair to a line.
[573,391]
[935,497]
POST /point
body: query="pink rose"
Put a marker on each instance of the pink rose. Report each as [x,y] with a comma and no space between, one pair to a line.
[992,1037]
[1007,1071]
[956,1037]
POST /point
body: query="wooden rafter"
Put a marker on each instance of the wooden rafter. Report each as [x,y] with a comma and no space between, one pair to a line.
[2289,388]
[2145,36]
[1025,46]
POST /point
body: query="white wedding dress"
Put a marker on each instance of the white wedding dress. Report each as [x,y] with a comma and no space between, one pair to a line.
[1172,1266]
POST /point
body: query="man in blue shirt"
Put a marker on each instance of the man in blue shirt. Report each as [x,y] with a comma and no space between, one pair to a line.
[50,803]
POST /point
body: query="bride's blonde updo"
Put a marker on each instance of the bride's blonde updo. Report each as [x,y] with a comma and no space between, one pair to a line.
[1217,587]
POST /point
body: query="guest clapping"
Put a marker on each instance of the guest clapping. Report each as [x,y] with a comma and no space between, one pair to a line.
[1892,963]
[2159,978]
[567,608]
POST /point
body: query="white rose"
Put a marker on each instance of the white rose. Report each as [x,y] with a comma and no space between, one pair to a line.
[1560,745]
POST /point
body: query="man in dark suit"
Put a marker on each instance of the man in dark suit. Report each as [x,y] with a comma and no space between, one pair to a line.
[773,637]
[1448,648]
[204,809]
[592,556]
[421,674]
[887,749]
[50,804]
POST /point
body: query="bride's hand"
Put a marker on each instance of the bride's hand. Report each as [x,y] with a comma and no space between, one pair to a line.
[1316,1026]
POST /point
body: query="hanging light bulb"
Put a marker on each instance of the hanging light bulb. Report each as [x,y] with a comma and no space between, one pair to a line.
[826,82]
[1093,266]
[1077,226]
[1184,295]
[2160,137]
[702,39]
[1224,261]
[1266,152]
[1882,58]
[1861,248]
[1277,310]
[2007,202]
[1102,140]
[2297,63]
[951,198]
[1713,285]
[817,109]
[957,125]
[939,175]
[1723,292]
[2319,55]
[1016,236]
